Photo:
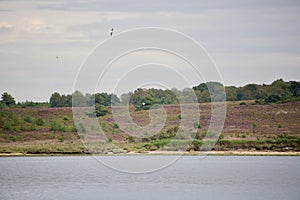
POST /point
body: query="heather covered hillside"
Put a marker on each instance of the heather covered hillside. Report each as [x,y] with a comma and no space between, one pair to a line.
[248,126]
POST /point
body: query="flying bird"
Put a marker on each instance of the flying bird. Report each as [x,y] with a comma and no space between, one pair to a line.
[111,31]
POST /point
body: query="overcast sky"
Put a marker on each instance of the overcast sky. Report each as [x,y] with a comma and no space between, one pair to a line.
[251,41]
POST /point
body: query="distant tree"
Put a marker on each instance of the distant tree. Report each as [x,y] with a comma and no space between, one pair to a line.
[295,88]
[66,100]
[125,98]
[272,98]
[114,99]
[231,93]
[280,88]
[55,100]
[7,99]
[210,91]
[78,99]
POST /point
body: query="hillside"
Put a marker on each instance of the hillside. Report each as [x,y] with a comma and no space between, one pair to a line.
[272,127]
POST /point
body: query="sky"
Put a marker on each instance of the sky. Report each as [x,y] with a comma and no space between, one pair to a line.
[44,44]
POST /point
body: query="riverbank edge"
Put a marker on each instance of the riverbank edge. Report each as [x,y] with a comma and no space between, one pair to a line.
[163,153]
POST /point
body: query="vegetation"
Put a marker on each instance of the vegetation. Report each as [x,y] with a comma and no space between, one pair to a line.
[265,117]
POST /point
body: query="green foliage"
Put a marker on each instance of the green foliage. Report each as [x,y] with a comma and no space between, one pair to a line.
[272,98]
[39,122]
[13,138]
[277,91]
[100,110]
[7,99]
[61,138]
[10,122]
[197,125]
[28,119]
[66,118]
[157,143]
[254,126]
[115,125]
[144,99]
[56,125]
[211,134]
[80,128]
[130,139]
[77,99]
[31,104]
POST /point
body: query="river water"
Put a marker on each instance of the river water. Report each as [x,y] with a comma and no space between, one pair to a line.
[214,177]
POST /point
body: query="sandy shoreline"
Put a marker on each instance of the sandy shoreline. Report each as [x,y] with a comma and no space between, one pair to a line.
[170,153]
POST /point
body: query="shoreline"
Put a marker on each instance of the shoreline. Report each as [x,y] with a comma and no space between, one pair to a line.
[162,153]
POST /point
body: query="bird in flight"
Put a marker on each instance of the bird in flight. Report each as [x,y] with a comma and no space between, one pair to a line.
[111,31]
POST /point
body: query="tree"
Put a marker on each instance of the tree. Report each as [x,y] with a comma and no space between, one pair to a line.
[78,99]
[100,110]
[7,99]
[231,93]
[272,98]
[295,88]
[55,100]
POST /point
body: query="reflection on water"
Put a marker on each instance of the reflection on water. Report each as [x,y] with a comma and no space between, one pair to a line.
[82,177]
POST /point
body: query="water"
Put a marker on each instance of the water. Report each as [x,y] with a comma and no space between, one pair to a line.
[83,177]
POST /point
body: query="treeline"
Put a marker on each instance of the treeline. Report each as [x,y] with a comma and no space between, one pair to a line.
[8,100]
[278,91]
[78,99]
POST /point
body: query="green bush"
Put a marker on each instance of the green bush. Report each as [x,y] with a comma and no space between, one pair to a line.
[115,125]
[130,139]
[66,118]
[7,126]
[57,126]
[61,138]
[28,119]
[197,125]
[80,128]
[100,110]
[39,122]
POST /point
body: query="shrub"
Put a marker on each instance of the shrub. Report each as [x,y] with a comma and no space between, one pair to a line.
[13,138]
[66,118]
[115,125]
[254,126]
[130,139]
[8,126]
[100,110]
[39,122]
[80,128]
[57,126]
[28,119]
[272,98]
[211,134]
[197,125]
[61,138]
